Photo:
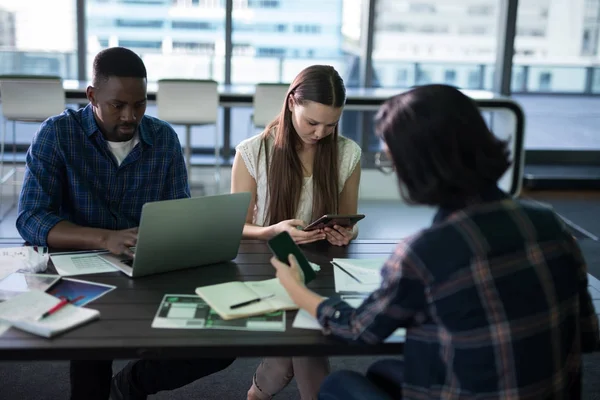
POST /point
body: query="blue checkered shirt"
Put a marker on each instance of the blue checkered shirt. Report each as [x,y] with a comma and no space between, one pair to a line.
[72,175]
[494,298]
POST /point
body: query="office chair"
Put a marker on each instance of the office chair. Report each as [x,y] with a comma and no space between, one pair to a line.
[25,98]
[190,102]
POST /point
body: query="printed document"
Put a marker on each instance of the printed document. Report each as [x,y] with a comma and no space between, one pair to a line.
[80,264]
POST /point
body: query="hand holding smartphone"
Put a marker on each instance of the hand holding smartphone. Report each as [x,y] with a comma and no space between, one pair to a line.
[329,220]
[282,245]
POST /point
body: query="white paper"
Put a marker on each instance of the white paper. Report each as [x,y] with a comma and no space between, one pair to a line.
[23,258]
[366,274]
[3,327]
[81,264]
[345,283]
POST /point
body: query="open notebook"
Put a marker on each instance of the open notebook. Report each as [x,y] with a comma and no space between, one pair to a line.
[222,296]
[21,312]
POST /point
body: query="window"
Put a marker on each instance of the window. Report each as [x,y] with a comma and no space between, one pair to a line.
[474,80]
[140,44]
[450,76]
[38,37]
[263,3]
[194,25]
[481,10]
[545,81]
[556,58]
[301,33]
[402,78]
[422,8]
[478,30]
[310,29]
[135,23]
[282,46]
[185,39]
[271,52]
[434,35]
[193,47]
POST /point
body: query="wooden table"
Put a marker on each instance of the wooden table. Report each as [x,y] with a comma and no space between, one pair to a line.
[124,329]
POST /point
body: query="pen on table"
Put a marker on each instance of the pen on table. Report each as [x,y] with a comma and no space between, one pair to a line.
[245,303]
[349,274]
[63,302]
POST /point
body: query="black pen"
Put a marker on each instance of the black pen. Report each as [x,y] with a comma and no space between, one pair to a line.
[245,303]
[349,274]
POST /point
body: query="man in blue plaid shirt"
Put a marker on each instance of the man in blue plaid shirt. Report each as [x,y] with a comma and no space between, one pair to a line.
[88,174]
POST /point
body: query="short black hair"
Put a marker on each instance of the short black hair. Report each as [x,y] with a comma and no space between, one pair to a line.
[442,149]
[117,61]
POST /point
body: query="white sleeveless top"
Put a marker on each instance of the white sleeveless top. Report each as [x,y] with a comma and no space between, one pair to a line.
[349,154]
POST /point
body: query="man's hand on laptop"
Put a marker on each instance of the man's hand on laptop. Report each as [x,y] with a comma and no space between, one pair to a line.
[119,242]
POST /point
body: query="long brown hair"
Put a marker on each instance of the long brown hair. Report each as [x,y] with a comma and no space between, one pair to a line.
[321,84]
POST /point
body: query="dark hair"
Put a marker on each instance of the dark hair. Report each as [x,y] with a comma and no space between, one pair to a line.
[117,61]
[321,84]
[442,150]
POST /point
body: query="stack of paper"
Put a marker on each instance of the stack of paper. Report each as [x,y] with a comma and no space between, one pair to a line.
[357,275]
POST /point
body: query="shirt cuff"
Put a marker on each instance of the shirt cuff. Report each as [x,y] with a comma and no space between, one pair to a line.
[45,227]
[328,310]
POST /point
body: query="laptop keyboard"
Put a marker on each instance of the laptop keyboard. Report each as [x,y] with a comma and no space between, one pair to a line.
[129,262]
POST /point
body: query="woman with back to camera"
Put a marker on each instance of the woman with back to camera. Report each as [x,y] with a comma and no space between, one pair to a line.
[493,295]
[298,169]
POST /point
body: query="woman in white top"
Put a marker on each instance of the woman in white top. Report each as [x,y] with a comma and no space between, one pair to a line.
[297,170]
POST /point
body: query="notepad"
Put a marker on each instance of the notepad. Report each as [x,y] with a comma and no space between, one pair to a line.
[222,296]
[21,312]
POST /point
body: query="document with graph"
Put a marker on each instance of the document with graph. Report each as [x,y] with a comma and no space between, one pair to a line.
[80,263]
[181,311]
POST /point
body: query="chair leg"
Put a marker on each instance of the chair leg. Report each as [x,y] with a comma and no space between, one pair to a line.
[217,161]
[2,140]
[14,167]
[188,150]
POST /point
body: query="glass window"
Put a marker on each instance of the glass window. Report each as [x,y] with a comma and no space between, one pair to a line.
[433,35]
[556,53]
[274,40]
[38,37]
[280,38]
[175,38]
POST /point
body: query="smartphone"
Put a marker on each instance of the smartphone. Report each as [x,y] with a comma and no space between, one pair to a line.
[329,220]
[282,245]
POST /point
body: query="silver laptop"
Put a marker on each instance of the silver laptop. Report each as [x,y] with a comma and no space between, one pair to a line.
[177,234]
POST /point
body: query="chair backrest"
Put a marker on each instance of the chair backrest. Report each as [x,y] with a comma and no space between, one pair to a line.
[30,97]
[187,101]
[268,100]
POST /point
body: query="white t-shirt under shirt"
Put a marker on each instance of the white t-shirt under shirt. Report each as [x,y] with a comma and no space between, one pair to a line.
[121,149]
[349,154]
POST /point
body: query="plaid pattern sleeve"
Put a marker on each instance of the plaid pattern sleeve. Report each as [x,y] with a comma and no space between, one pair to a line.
[494,297]
[398,303]
[71,174]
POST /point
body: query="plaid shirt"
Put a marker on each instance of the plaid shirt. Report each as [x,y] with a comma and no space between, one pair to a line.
[72,175]
[495,300]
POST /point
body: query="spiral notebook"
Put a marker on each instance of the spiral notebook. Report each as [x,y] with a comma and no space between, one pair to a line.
[22,311]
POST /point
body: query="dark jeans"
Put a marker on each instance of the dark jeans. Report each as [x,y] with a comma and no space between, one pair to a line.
[90,380]
[382,382]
